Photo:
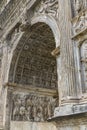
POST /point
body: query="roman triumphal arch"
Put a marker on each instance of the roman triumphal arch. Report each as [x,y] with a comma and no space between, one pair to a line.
[43,64]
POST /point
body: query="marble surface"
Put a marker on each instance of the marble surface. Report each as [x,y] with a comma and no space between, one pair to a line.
[32,126]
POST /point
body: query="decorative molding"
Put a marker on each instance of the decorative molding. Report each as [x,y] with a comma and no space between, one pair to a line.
[28,88]
[12,12]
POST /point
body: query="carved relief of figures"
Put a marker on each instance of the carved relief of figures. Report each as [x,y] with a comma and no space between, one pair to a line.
[85,19]
[24,20]
[80,23]
[80,5]
[12,37]
[16,110]
[32,108]
[48,7]
[83,53]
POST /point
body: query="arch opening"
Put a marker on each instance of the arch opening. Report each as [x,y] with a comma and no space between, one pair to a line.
[32,62]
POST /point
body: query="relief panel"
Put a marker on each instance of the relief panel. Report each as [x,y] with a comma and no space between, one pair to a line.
[49,7]
[31,107]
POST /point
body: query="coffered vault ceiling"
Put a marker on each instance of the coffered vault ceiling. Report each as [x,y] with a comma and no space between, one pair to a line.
[32,62]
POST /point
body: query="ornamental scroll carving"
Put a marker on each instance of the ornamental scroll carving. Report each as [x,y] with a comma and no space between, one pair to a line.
[32,107]
[47,7]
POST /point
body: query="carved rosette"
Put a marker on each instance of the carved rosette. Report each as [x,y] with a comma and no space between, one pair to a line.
[48,7]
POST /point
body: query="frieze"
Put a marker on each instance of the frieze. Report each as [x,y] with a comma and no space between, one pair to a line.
[47,7]
[12,12]
[31,107]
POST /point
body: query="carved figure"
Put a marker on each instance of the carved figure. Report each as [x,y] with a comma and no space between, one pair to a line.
[32,108]
[24,21]
[49,109]
[28,106]
[39,116]
[22,113]
[48,7]
[45,108]
[78,6]
[16,110]
[85,19]
[83,53]
[80,24]
[52,6]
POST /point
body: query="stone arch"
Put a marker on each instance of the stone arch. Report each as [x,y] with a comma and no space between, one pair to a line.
[50,22]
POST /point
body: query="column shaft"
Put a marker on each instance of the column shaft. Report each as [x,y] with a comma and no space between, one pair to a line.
[68,83]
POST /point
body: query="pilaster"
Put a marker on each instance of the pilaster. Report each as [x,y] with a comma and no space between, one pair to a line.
[68,81]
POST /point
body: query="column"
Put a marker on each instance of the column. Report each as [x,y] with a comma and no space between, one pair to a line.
[68,80]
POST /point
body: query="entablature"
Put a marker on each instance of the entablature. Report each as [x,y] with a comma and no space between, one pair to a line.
[11,14]
[15,9]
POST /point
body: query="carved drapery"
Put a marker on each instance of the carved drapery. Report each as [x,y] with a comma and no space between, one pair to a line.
[79,5]
[79,23]
[83,61]
[31,107]
[12,37]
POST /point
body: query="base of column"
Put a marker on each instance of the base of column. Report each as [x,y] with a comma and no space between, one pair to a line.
[69,110]
[70,100]
[84,98]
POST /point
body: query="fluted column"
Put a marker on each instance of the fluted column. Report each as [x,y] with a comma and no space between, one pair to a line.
[68,83]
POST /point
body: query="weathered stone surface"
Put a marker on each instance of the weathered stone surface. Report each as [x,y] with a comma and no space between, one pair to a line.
[43,47]
[32,126]
[25,107]
[70,110]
